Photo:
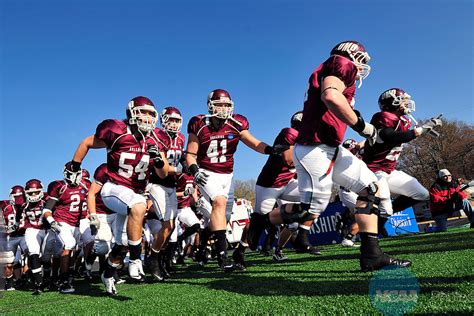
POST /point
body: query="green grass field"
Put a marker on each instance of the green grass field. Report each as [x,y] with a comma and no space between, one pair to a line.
[443,264]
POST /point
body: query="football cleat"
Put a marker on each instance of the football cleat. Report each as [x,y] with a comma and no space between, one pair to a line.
[201,257]
[302,245]
[225,263]
[109,284]
[135,270]
[368,264]
[239,260]
[66,287]
[9,284]
[38,289]
[155,270]
[349,243]
[117,278]
[278,256]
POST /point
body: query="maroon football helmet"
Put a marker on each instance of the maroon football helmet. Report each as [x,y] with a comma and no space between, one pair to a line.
[171,119]
[220,104]
[296,120]
[17,195]
[85,174]
[71,177]
[34,190]
[392,99]
[356,52]
[138,113]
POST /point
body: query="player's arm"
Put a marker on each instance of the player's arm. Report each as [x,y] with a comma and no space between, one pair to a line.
[331,94]
[287,156]
[83,148]
[191,159]
[332,88]
[259,146]
[91,197]
[192,149]
[390,135]
[162,170]
[49,208]
[252,142]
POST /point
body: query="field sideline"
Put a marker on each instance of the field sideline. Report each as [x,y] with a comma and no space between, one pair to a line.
[443,264]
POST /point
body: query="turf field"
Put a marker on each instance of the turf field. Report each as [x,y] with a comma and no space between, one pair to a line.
[443,265]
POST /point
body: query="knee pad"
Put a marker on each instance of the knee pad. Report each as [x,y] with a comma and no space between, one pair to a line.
[101,247]
[34,263]
[372,201]
[300,213]
[119,251]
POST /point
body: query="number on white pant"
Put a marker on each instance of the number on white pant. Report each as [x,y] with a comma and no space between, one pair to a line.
[126,170]
[213,151]
[394,153]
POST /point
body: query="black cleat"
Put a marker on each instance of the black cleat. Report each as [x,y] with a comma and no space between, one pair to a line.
[225,263]
[302,245]
[155,270]
[9,284]
[239,260]
[66,287]
[278,256]
[368,264]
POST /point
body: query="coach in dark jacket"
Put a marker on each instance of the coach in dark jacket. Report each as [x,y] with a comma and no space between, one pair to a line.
[446,197]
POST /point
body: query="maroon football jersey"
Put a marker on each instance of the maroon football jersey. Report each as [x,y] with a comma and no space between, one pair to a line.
[319,125]
[217,147]
[101,177]
[9,215]
[128,161]
[275,173]
[70,201]
[384,156]
[184,181]
[34,214]
[174,151]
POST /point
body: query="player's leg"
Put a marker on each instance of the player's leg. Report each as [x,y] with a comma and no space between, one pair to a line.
[373,199]
[408,188]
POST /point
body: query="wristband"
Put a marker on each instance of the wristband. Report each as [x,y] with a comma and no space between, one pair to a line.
[50,219]
[268,150]
[194,169]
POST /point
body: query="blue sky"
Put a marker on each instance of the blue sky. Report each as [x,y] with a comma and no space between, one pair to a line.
[67,65]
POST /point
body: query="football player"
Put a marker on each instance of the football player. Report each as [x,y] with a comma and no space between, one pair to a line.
[63,211]
[213,140]
[163,191]
[38,241]
[393,125]
[321,161]
[132,152]
[102,220]
[275,183]
[12,213]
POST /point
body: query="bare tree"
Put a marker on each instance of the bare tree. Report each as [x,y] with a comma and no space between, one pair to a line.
[245,190]
[453,150]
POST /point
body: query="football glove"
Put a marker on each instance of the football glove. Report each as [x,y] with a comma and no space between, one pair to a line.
[12,228]
[188,191]
[429,127]
[200,177]
[276,149]
[94,223]
[155,155]
[55,227]
[365,129]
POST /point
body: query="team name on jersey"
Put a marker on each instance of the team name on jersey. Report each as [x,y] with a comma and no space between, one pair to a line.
[136,149]
[218,136]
